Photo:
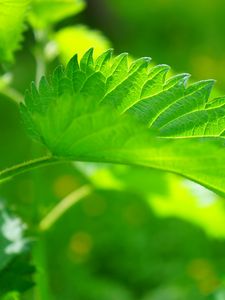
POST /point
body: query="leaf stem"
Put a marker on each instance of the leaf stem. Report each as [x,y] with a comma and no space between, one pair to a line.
[39,54]
[65,204]
[42,288]
[25,167]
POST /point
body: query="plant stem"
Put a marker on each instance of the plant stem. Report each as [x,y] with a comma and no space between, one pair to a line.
[41,290]
[39,54]
[25,167]
[40,69]
[63,206]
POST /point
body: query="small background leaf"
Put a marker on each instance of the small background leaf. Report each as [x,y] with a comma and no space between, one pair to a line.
[78,39]
[47,12]
[12,16]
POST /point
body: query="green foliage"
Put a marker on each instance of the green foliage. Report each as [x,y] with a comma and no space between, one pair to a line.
[138,233]
[16,276]
[44,13]
[106,110]
[12,16]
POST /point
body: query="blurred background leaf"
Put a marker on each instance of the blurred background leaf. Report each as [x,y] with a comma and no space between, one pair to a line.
[78,39]
[12,16]
[45,13]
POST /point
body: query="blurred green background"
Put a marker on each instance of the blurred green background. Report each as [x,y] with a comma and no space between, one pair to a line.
[141,234]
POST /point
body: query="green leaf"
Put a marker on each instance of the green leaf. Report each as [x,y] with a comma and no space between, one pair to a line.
[47,12]
[108,110]
[12,15]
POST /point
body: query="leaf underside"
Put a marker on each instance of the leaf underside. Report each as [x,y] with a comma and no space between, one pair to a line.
[110,110]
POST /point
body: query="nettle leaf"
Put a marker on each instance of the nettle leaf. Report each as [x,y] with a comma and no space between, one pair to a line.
[107,110]
[12,16]
[47,12]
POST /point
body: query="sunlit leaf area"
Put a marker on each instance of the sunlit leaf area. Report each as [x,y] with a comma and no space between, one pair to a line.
[112,155]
